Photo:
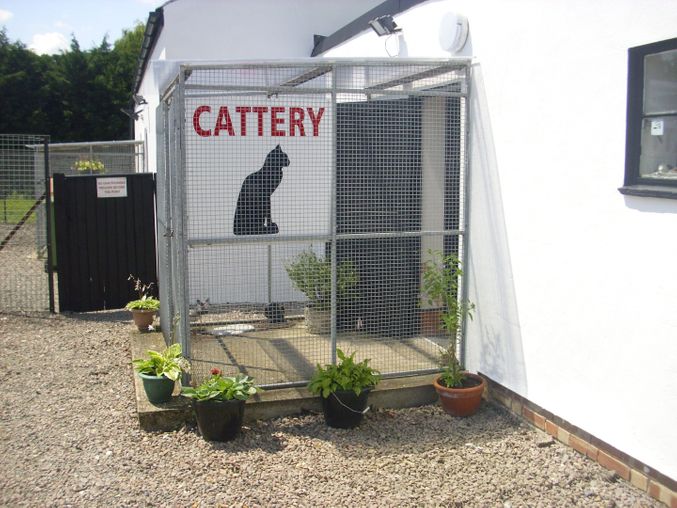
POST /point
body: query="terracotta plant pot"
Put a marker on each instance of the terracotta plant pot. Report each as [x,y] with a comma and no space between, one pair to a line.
[219,420]
[158,388]
[143,319]
[461,401]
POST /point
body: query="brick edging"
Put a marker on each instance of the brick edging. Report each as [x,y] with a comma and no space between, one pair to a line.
[658,485]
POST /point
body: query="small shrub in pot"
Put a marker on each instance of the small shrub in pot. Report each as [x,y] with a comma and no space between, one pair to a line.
[344,388]
[460,392]
[160,372]
[219,404]
[145,307]
[311,275]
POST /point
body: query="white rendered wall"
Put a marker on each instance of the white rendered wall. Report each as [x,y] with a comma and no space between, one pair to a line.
[575,284]
[219,30]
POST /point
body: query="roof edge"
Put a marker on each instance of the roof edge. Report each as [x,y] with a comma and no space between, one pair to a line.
[154,25]
[361,23]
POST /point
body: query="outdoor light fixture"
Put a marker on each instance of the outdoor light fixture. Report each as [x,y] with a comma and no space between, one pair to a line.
[140,100]
[384,25]
[134,115]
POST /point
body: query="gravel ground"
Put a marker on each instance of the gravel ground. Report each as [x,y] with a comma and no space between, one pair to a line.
[69,437]
[23,281]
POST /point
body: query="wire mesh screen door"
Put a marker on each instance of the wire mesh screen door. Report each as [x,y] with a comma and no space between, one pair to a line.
[306,199]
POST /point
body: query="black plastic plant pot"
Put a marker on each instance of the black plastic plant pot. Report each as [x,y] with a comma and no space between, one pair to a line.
[158,388]
[344,409]
[219,420]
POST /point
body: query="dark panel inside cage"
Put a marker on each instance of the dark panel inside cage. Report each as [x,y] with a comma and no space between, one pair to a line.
[386,301]
[452,177]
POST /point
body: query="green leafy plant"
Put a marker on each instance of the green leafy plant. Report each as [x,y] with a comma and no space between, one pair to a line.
[145,301]
[218,387]
[346,375]
[169,363]
[89,166]
[440,288]
[311,275]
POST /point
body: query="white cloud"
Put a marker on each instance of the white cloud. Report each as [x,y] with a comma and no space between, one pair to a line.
[5,16]
[48,43]
[62,25]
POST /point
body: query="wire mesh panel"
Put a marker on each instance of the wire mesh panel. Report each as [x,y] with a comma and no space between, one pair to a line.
[24,274]
[97,157]
[308,198]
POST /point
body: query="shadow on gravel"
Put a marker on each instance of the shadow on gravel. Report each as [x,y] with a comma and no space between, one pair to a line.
[105,316]
[386,432]
[251,437]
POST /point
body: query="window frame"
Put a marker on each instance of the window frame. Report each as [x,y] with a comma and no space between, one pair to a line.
[634,183]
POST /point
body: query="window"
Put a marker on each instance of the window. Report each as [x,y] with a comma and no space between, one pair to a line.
[651,134]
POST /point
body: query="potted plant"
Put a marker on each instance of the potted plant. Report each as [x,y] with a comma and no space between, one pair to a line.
[160,372]
[89,166]
[311,275]
[460,392]
[145,307]
[344,389]
[219,404]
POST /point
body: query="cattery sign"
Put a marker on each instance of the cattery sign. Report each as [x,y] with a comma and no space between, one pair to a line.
[257,120]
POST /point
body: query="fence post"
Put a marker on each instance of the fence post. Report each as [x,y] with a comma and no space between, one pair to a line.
[48,229]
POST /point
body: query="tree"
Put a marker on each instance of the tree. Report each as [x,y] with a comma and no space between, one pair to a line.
[73,96]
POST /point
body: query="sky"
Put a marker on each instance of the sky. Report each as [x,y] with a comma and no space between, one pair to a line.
[46,26]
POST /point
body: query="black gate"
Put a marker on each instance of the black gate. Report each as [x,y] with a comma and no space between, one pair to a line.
[105,231]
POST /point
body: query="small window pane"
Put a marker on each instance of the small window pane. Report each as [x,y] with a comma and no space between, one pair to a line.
[659,148]
[660,83]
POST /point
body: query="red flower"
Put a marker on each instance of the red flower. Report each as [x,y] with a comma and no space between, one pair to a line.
[215,371]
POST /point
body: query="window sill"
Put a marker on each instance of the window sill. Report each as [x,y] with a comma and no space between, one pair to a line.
[649,191]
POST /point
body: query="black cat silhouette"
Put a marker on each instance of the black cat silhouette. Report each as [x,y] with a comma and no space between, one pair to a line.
[252,215]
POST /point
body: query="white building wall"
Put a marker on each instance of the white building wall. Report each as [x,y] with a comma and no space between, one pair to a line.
[232,30]
[574,283]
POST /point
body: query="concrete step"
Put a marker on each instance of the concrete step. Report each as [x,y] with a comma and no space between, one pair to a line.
[390,393]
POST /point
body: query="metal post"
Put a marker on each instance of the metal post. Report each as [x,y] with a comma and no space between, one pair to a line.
[465,191]
[48,229]
[332,218]
[184,304]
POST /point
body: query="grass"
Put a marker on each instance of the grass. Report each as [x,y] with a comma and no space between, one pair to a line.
[13,208]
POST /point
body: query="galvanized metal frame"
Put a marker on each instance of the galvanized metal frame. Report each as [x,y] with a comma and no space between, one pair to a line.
[180,239]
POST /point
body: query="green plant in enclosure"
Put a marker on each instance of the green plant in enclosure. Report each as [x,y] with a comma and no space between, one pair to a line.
[169,363]
[440,287]
[347,375]
[218,387]
[89,166]
[145,301]
[311,275]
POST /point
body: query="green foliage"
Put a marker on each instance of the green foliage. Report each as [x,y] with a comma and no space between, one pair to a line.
[89,166]
[170,363]
[145,301]
[14,207]
[72,96]
[312,276]
[440,288]
[217,387]
[346,375]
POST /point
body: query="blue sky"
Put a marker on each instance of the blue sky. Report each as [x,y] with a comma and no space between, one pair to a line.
[46,26]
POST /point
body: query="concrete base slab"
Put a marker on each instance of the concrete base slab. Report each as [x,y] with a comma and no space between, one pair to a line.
[390,393]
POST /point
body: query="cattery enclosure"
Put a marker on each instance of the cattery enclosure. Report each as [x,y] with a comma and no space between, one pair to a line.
[297,205]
